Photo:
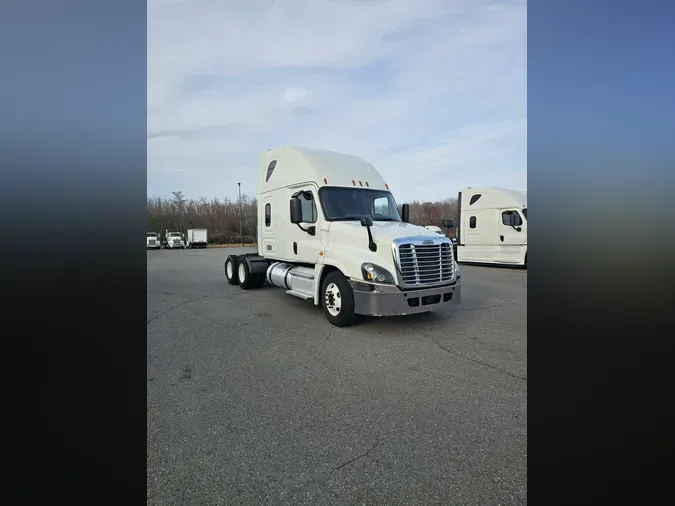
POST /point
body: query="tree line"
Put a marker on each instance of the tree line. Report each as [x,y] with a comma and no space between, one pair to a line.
[179,213]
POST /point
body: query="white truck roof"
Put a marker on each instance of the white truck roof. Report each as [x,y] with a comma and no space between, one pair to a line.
[493,197]
[289,165]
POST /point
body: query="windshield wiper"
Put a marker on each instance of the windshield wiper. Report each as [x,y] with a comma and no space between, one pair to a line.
[348,218]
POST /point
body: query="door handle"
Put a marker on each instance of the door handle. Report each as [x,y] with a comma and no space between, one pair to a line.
[501,238]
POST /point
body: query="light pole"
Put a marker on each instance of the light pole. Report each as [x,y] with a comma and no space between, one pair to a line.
[241,230]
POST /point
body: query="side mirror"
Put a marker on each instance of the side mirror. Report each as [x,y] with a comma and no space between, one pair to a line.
[448,223]
[366,221]
[405,213]
[296,211]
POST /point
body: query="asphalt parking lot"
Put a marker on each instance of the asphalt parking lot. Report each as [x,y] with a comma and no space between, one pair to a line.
[254,398]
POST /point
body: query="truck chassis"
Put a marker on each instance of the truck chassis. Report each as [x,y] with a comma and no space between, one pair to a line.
[343,300]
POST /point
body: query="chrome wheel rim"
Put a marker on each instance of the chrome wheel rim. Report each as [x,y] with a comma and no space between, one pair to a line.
[230,270]
[242,273]
[333,299]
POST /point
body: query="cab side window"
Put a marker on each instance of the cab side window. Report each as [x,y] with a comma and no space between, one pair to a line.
[308,208]
[511,219]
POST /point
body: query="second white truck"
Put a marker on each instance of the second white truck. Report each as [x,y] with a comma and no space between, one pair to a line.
[329,232]
[173,240]
[492,226]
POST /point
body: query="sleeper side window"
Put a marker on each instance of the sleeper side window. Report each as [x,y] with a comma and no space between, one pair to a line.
[268,215]
[472,222]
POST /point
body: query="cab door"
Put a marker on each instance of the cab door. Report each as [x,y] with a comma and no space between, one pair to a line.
[305,247]
[512,235]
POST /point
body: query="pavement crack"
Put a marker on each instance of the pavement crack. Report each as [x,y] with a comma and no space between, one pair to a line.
[329,334]
[172,308]
[358,457]
[453,352]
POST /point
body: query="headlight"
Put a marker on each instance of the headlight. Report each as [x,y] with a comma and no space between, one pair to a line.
[376,274]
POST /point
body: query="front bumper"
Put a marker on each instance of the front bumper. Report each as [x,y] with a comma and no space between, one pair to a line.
[383,300]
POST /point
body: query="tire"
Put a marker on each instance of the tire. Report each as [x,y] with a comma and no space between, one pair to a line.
[336,288]
[247,281]
[232,278]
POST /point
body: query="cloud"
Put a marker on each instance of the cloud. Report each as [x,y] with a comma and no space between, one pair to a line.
[432,92]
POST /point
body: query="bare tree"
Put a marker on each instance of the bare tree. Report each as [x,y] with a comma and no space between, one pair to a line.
[221,217]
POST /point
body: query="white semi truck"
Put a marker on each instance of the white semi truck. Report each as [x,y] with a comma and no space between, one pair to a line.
[196,238]
[329,231]
[173,240]
[492,226]
[152,240]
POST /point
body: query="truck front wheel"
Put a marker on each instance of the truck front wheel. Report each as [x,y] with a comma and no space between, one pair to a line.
[231,270]
[337,299]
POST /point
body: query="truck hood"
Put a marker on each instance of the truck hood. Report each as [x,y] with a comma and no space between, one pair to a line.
[384,232]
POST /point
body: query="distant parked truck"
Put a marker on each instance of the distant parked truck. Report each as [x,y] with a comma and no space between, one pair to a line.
[492,226]
[152,240]
[196,238]
[173,240]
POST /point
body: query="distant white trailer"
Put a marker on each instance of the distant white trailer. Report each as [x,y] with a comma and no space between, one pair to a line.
[196,238]
[492,226]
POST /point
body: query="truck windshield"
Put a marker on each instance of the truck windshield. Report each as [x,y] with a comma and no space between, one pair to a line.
[152,234]
[343,204]
[525,212]
[174,234]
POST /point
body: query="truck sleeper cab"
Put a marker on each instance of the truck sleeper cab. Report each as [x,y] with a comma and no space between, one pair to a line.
[329,231]
[492,226]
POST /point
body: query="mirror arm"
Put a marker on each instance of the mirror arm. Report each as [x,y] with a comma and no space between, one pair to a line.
[371,244]
[311,230]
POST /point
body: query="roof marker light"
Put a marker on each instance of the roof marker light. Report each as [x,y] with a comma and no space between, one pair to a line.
[386,186]
[353,182]
[367,184]
[324,181]
[360,183]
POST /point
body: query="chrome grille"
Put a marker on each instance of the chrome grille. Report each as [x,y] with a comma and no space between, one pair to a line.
[425,264]
[153,242]
[176,242]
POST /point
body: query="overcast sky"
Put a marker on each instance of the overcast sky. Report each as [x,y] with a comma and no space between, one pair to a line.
[432,92]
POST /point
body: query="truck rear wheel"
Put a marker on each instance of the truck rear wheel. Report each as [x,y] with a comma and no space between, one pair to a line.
[231,265]
[337,299]
[246,279]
